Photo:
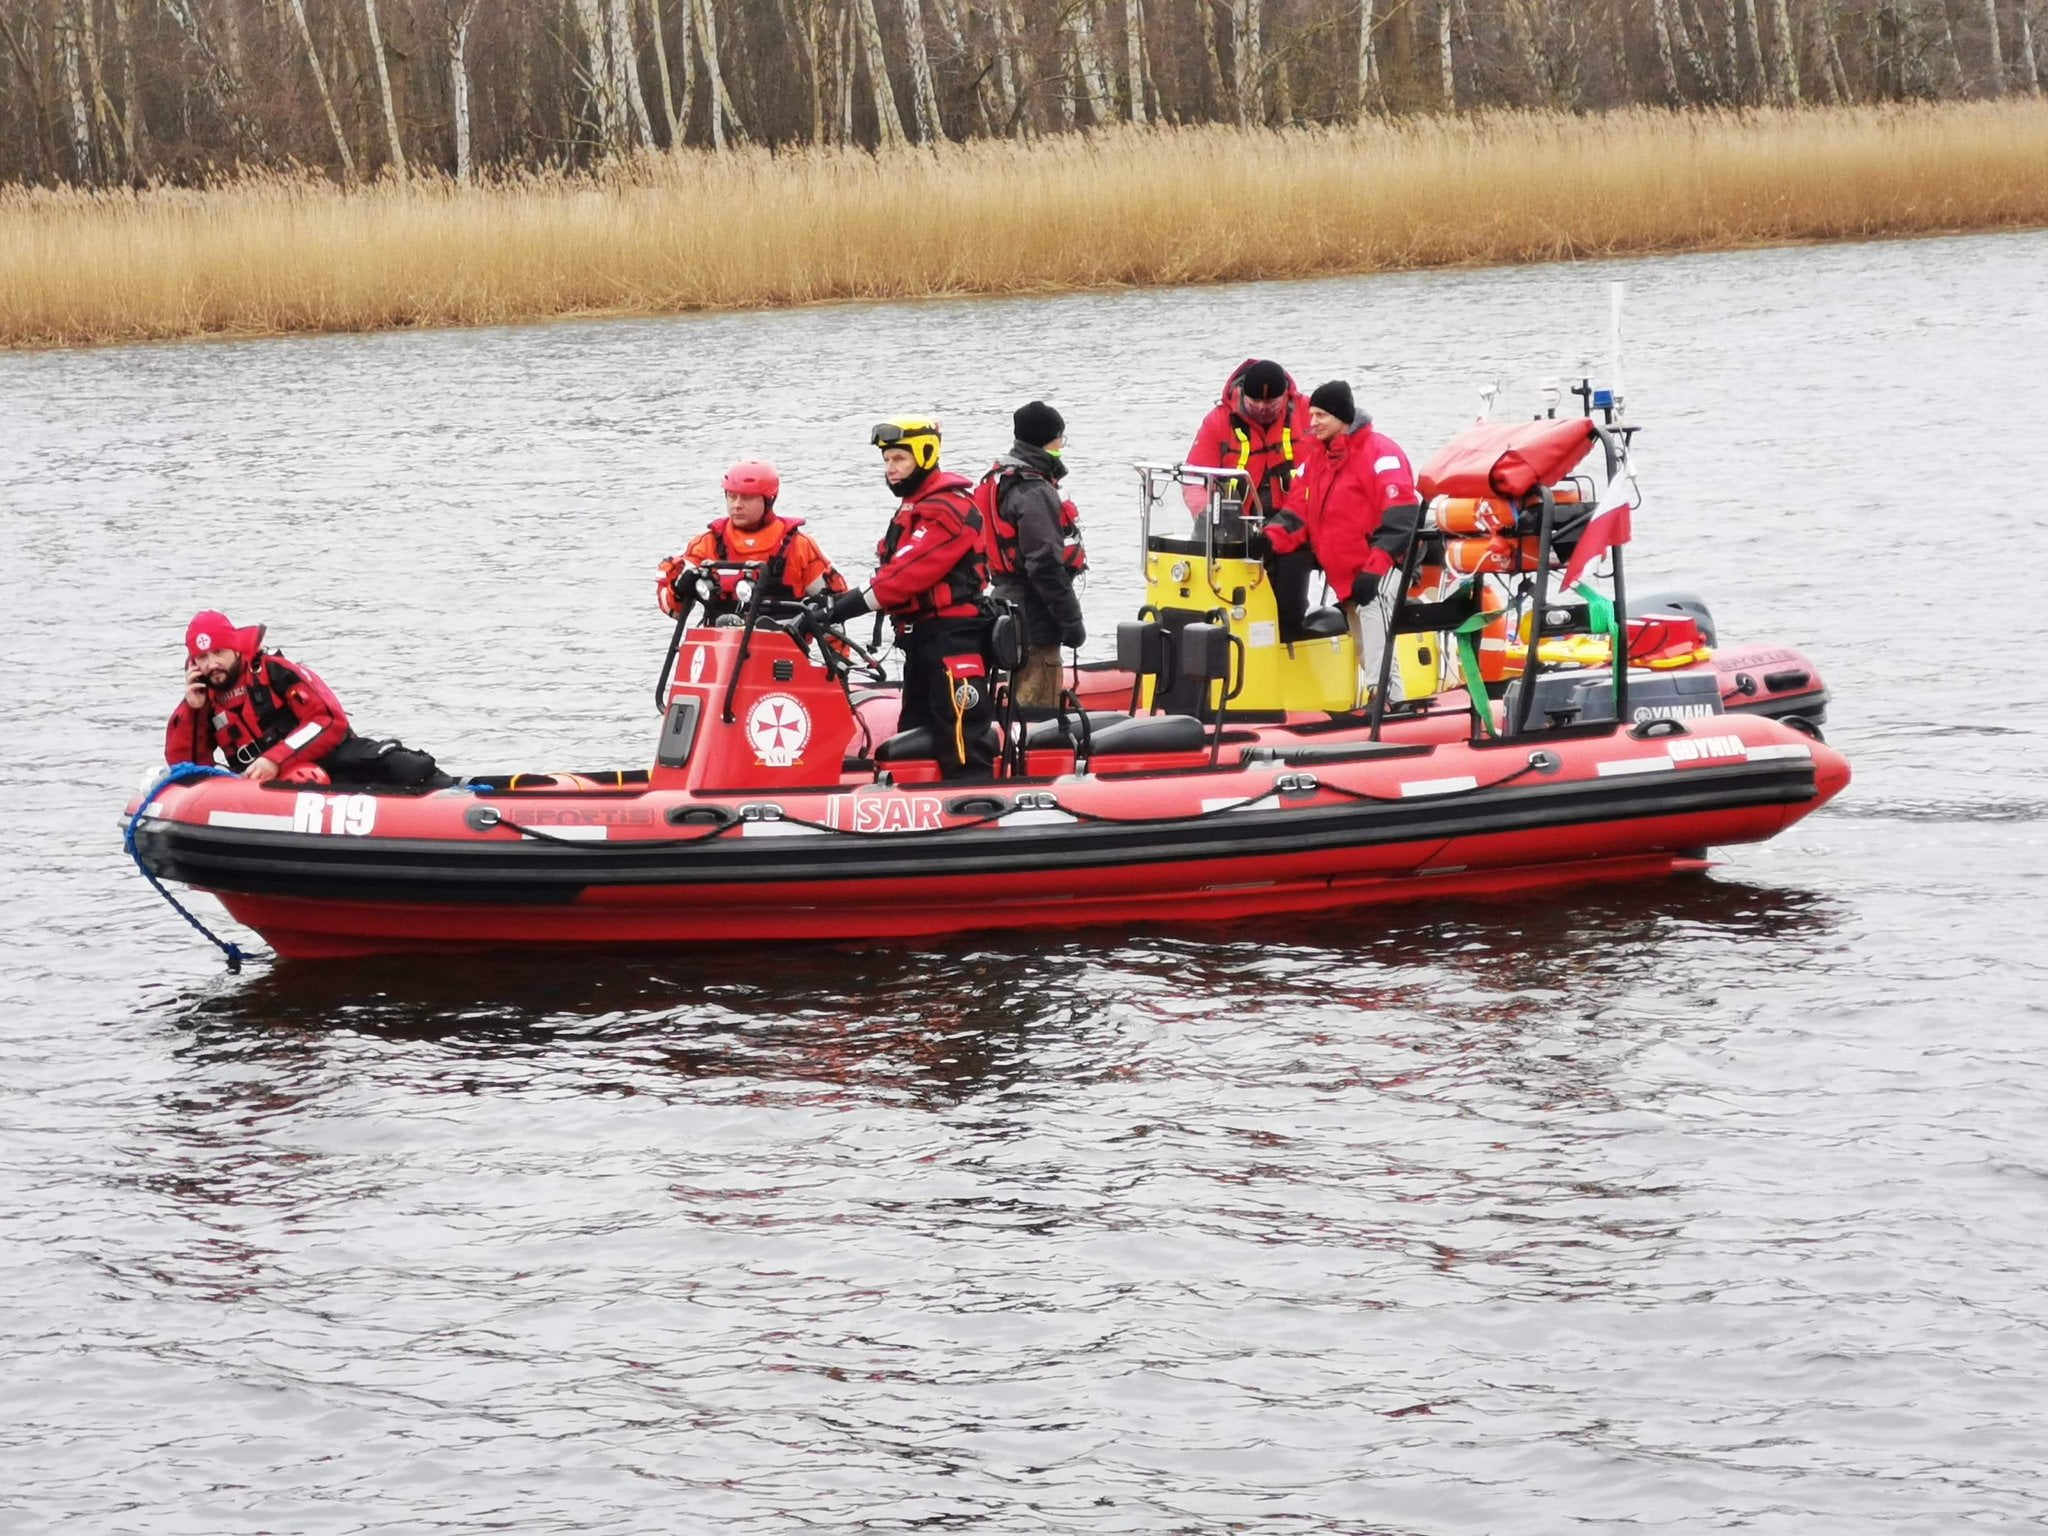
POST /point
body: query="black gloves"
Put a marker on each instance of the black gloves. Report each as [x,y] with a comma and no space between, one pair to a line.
[1073,636]
[1258,546]
[1364,588]
[845,606]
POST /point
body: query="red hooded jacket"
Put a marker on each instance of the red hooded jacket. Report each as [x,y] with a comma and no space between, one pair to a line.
[274,708]
[1346,491]
[932,563]
[1229,439]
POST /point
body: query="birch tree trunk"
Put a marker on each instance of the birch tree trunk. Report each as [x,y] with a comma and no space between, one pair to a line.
[661,75]
[74,99]
[1997,48]
[1247,23]
[1788,57]
[1661,21]
[1761,86]
[1088,63]
[1005,72]
[348,159]
[1443,44]
[1206,9]
[133,132]
[102,108]
[597,48]
[2030,69]
[1524,39]
[1702,58]
[1134,57]
[458,82]
[714,76]
[888,122]
[626,66]
[845,54]
[1818,41]
[687,57]
[1030,107]
[814,60]
[924,97]
[391,139]
[1732,53]
[1951,55]
[1371,95]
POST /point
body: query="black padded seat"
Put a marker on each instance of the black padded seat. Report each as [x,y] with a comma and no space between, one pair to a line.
[1151,733]
[920,742]
[1322,623]
[1046,733]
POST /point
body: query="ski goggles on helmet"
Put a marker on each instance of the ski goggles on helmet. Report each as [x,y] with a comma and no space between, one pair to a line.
[919,436]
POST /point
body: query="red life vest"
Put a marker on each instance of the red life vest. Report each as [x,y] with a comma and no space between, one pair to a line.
[999,533]
[778,589]
[258,713]
[951,513]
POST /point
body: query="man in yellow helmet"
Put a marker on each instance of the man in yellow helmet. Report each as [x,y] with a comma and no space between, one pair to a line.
[930,579]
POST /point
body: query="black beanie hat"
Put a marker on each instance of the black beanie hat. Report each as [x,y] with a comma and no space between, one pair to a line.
[1263,381]
[1037,424]
[1335,397]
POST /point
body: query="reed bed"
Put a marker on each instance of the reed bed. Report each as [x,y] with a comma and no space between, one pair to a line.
[697,230]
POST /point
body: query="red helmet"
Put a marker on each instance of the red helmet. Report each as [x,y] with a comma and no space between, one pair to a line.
[754,477]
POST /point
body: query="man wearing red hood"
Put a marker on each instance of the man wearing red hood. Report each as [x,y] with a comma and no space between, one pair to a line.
[274,719]
[1261,427]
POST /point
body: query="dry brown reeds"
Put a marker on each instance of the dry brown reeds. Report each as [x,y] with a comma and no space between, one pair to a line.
[1139,207]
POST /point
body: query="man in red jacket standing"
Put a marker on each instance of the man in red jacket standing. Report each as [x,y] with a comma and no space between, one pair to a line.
[1261,427]
[274,719]
[1357,504]
[930,581]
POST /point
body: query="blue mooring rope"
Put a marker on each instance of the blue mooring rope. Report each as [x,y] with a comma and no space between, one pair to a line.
[180,773]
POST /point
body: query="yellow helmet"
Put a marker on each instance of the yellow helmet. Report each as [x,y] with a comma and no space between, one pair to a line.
[917,433]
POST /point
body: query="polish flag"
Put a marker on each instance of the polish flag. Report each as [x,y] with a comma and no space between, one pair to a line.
[1608,526]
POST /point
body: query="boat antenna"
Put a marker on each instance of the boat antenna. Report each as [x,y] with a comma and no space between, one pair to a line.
[1617,292]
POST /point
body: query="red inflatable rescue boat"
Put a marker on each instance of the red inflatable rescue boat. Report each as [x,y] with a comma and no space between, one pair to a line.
[766,815]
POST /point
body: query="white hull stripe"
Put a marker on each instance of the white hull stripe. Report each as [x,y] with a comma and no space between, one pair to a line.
[1789,751]
[1627,765]
[250,821]
[773,829]
[1047,818]
[1439,786]
[575,834]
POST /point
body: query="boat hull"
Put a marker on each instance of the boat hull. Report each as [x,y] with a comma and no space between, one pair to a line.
[335,875]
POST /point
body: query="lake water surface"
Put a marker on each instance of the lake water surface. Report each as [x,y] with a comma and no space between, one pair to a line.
[1711,1205]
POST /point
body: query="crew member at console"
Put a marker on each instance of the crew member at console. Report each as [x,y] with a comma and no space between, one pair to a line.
[930,580]
[1356,504]
[1261,427]
[274,719]
[751,531]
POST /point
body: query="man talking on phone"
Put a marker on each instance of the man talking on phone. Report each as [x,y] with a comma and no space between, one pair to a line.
[274,719]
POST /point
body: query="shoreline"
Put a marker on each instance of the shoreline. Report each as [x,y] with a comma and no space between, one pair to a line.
[699,232]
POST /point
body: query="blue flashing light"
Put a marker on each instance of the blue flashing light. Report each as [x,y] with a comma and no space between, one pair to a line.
[1603,399]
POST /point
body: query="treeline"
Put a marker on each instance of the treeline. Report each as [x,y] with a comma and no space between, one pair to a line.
[133,92]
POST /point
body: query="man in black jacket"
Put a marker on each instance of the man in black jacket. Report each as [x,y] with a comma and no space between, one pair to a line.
[1035,551]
